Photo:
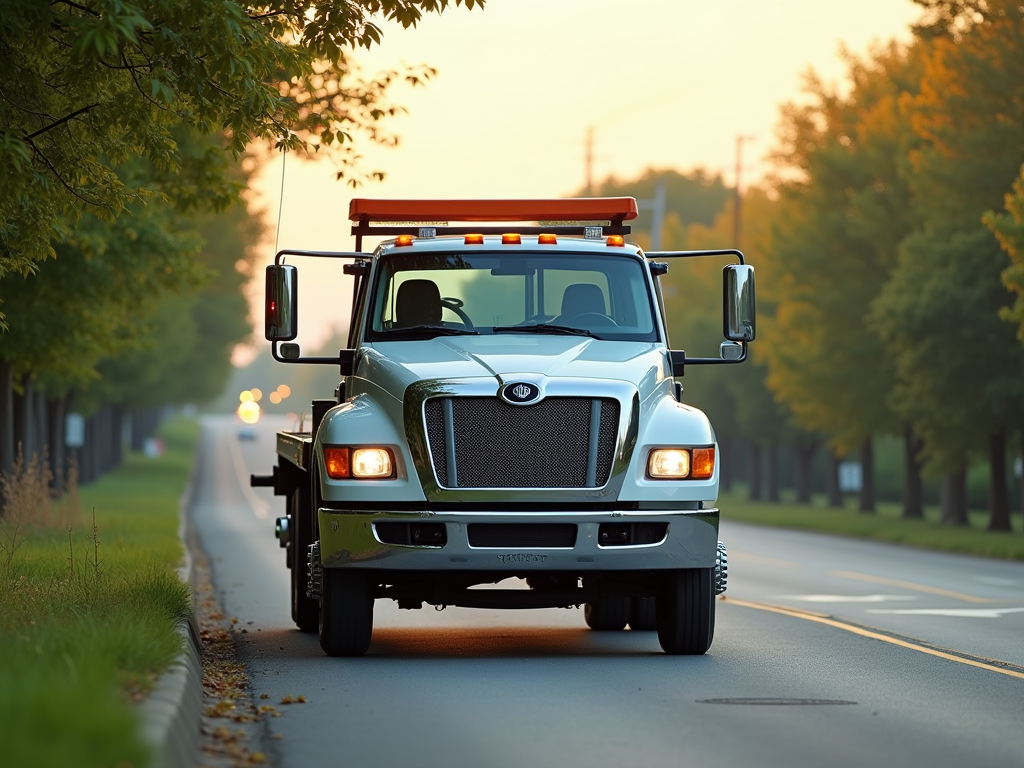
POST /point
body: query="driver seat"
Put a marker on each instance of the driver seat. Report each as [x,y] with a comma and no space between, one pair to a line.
[418,302]
[580,298]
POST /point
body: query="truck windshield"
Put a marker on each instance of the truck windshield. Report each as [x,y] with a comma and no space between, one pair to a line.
[606,297]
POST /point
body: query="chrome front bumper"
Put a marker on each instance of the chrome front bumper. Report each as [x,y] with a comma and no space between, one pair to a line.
[348,539]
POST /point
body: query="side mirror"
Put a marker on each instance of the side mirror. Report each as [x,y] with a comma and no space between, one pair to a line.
[739,319]
[281,316]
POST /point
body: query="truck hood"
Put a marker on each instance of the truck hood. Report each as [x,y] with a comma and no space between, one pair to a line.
[401,363]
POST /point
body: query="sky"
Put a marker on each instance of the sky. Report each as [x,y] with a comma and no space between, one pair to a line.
[520,83]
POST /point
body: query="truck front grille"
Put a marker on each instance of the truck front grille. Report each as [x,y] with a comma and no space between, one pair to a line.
[483,442]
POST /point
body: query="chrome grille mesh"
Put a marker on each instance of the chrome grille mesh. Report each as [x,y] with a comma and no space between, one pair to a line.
[497,445]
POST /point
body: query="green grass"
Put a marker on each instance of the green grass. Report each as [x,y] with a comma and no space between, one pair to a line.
[88,616]
[885,525]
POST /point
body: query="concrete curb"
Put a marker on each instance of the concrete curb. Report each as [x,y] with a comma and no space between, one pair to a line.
[172,712]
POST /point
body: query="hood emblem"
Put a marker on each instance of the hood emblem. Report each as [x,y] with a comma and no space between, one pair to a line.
[520,393]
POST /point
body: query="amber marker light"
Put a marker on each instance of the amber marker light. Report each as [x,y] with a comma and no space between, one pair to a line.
[474,240]
[403,240]
[511,238]
[372,463]
[668,464]
[547,239]
[616,240]
[336,460]
[703,463]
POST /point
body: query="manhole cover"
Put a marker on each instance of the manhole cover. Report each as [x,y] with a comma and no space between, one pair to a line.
[777,702]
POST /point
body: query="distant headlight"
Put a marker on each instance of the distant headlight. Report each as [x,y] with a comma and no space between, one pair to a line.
[344,463]
[681,463]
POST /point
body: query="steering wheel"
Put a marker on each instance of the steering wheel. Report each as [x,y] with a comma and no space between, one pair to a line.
[455,305]
[588,318]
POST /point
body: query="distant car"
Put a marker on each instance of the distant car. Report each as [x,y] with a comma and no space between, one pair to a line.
[247,435]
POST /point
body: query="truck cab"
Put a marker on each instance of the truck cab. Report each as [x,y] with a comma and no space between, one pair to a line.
[507,409]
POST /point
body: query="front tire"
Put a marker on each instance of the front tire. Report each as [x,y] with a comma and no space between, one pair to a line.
[686,611]
[608,614]
[346,613]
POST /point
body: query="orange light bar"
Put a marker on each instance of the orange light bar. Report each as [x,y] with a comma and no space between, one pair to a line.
[703,464]
[617,240]
[547,239]
[474,240]
[511,238]
[365,210]
[403,240]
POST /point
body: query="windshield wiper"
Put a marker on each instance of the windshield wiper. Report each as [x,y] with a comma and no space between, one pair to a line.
[558,330]
[435,330]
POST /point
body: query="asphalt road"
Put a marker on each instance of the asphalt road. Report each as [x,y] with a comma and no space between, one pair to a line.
[827,652]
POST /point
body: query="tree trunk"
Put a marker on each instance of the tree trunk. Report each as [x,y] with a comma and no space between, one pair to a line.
[116,429]
[806,447]
[6,424]
[998,498]
[772,471]
[56,407]
[23,421]
[40,428]
[913,495]
[835,496]
[953,498]
[87,468]
[867,473]
[754,472]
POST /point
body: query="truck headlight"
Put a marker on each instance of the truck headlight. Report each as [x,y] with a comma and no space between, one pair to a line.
[681,463]
[372,462]
[363,463]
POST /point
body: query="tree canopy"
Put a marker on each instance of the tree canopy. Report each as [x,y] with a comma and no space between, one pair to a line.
[87,86]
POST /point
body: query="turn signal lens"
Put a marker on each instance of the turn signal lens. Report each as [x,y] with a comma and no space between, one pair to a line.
[372,463]
[403,240]
[669,463]
[703,463]
[474,240]
[512,238]
[336,460]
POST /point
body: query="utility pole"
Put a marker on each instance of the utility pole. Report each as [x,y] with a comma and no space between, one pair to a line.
[736,218]
[657,207]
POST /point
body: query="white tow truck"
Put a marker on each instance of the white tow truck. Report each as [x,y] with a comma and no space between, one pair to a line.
[507,408]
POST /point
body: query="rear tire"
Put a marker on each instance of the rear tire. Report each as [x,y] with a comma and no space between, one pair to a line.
[643,616]
[346,612]
[305,611]
[608,614]
[686,611]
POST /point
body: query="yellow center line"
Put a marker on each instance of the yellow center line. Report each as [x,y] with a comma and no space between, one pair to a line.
[991,666]
[912,586]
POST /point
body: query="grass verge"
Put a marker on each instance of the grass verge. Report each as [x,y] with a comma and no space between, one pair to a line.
[885,525]
[89,604]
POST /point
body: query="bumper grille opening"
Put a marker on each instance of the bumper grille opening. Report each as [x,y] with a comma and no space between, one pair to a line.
[483,442]
[412,534]
[630,534]
[503,535]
